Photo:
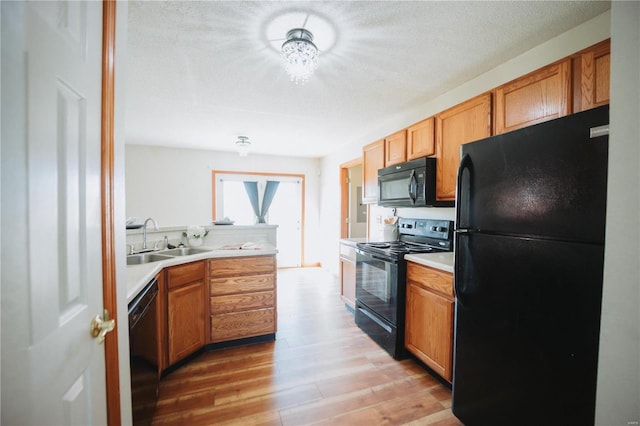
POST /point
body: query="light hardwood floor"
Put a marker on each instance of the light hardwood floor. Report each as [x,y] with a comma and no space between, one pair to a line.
[320,370]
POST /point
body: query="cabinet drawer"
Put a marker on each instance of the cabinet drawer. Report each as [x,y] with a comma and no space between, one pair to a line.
[348,253]
[233,266]
[439,281]
[239,325]
[242,302]
[184,274]
[247,284]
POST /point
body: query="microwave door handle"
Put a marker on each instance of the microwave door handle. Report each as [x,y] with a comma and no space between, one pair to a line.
[413,187]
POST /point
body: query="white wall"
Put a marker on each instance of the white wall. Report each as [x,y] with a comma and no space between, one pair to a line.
[580,37]
[618,394]
[174,185]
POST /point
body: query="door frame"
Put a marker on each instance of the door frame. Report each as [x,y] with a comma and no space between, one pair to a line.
[344,195]
[109,289]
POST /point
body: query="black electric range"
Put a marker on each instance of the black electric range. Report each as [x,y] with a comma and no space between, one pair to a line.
[414,236]
[381,278]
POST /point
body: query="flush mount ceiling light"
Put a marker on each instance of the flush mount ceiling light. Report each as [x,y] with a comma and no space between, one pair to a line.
[299,55]
[243,144]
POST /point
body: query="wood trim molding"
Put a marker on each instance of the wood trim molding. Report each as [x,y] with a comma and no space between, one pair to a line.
[344,202]
[344,195]
[107,195]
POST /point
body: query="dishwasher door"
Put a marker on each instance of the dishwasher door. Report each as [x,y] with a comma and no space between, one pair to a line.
[144,353]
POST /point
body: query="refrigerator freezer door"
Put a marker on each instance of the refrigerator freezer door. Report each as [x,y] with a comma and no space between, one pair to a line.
[526,330]
[549,180]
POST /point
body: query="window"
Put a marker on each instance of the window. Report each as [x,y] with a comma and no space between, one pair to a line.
[231,200]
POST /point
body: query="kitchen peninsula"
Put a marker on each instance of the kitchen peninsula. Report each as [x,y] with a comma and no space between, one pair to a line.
[222,241]
[220,293]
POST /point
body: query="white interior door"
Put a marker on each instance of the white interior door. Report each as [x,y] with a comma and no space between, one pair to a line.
[286,212]
[53,371]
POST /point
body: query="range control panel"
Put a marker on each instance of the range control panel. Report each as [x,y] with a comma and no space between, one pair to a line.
[433,228]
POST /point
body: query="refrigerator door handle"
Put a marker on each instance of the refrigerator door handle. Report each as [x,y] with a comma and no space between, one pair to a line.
[462,268]
[464,192]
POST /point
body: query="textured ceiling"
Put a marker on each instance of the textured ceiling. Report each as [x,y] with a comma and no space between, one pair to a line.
[199,74]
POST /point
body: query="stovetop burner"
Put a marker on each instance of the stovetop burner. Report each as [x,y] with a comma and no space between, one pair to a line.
[383,245]
[415,236]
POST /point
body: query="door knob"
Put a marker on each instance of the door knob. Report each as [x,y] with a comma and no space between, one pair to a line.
[101,325]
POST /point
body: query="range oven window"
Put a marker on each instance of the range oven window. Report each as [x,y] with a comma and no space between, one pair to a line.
[376,285]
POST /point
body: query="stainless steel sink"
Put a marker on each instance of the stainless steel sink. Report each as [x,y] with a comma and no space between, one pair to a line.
[184,251]
[139,259]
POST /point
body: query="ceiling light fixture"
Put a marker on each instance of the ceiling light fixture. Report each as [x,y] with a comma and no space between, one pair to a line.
[299,55]
[242,144]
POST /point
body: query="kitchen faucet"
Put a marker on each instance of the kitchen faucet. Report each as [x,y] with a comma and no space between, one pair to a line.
[144,232]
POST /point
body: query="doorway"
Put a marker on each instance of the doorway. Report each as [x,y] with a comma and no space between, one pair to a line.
[354,213]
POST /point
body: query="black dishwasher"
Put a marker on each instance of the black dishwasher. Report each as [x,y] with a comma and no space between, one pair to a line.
[143,354]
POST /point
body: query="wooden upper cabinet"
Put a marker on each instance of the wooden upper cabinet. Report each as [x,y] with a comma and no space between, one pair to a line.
[466,122]
[540,96]
[421,139]
[591,71]
[372,160]
[395,148]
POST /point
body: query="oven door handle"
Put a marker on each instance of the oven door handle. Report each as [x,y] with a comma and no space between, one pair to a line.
[383,259]
[373,256]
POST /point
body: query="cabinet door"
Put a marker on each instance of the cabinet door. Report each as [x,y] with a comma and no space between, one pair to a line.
[461,124]
[429,329]
[348,276]
[537,97]
[372,160]
[186,320]
[395,148]
[591,77]
[421,139]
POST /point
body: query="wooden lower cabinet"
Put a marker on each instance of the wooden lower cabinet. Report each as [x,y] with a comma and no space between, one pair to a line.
[242,299]
[429,317]
[186,305]
[348,274]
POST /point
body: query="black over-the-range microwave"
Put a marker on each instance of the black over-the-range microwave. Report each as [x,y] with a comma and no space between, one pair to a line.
[410,184]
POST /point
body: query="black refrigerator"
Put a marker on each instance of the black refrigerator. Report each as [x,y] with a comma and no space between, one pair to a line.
[529,252]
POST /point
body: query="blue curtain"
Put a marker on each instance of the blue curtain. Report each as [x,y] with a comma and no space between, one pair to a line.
[252,192]
[269,193]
